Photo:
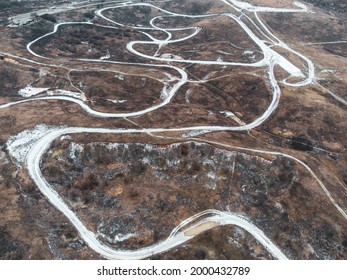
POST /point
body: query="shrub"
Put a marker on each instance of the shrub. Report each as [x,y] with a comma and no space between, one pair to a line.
[301,144]
[49,17]
[89,15]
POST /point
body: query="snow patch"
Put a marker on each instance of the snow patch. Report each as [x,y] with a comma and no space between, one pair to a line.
[173,163]
[286,65]
[165,92]
[75,149]
[118,237]
[20,144]
[211,175]
[161,175]
[107,56]
[146,160]
[65,137]
[171,56]
[144,81]
[119,77]
[149,148]
[42,73]
[227,113]
[329,71]
[67,93]
[115,101]
[122,237]
[186,96]
[29,91]
[248,52]
[194,133]
[211,186]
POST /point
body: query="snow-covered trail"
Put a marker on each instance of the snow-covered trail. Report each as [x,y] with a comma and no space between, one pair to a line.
[178,236]
[205,128]
[271,58]
[27,17]
[241,5]
[175,239]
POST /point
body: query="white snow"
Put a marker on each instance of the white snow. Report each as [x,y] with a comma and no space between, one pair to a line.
[74,148]
[42,73]
[144,81]
[248,52]
[271,58]
[29,91]
[148,147]
[65,137]
[227,113]
[119,77]
[170,56]
[66,93]
[115,101]
[329,71]
[186,96]
[107,56]
[112,146]
[146,160]
[173,163]
[194,133]
[123,237]
[19,145]
[161,175]
[210,186]
[118,237]
[165,92]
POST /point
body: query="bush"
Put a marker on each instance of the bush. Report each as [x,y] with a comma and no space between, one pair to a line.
[184,150]
[89,15]
[48,17]
[200,254]
[38,29]
[301,144]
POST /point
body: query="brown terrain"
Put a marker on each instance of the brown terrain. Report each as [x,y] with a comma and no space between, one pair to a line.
[132,189]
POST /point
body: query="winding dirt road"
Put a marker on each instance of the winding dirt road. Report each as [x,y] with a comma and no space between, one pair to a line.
[209,218]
